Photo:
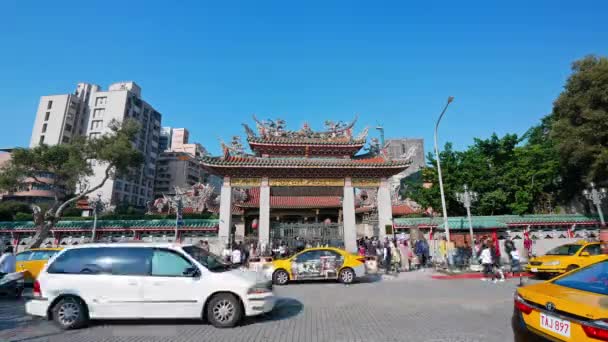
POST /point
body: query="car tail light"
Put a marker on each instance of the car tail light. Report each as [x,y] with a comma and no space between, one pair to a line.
[37,292]
[522,306]
[598,330]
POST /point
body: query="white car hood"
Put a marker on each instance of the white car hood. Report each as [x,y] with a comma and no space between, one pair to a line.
[251,277]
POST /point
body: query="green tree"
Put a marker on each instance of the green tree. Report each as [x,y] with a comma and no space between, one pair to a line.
[9,209]
[70,165]
[579,124]
[512,175]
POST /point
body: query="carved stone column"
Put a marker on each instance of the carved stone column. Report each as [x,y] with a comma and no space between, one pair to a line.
[385,210]
[225,211]
[264,228]
[348,212]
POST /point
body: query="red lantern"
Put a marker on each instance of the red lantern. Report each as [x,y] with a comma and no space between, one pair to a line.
[254,224]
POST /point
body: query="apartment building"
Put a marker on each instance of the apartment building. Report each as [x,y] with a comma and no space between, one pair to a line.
[178,165]
[88,112]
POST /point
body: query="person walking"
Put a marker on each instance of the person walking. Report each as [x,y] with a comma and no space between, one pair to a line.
[8,261]
[386,257]
[395,258]
[496,265]
[236,256]
[515,262]
[405,255]
[486,261]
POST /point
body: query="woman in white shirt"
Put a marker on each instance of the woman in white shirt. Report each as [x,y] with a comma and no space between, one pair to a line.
[486,261]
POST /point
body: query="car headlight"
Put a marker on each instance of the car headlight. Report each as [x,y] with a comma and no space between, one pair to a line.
[552,263]
[260,288]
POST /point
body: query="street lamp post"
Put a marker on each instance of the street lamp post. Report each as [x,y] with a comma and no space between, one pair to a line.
[596,198]
[445,210]
[97,206]
[467,198]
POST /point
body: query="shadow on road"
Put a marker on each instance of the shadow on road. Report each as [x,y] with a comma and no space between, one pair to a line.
[284,309]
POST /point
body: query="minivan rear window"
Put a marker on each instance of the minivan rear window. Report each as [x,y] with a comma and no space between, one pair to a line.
[104,260]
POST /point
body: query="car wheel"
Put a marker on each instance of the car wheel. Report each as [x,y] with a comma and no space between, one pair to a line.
[224,310]
[571,268]
[347,276]
[70,313]
[280,277]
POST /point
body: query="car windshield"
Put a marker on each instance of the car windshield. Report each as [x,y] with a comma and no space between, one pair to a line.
[591,279]
[564,250]
[211,261]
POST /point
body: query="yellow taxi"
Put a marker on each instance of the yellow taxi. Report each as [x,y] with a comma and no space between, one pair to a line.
[566,258]
[32,261]
[318,264]
[571,307]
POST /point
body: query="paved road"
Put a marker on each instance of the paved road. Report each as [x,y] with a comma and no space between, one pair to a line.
[412,307]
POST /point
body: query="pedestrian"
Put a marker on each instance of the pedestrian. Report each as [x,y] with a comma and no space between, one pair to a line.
[443,250]
[386,257]
[7,261]
[226,253]
[486,261]
[361,250]
[236,256]
[404,252]
[496,265]
[395,257]
[515,262]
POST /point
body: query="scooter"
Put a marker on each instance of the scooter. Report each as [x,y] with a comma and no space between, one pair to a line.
[11,284]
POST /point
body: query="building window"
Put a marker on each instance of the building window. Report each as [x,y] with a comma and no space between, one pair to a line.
[65,139]
[101,101]
[42,139]
[44,128]
[94,135]
[98,113]
[49,105]
[68,127]
[46,116]
[96,124]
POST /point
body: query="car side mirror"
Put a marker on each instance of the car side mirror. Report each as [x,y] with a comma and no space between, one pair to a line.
[585,254]
[192,271]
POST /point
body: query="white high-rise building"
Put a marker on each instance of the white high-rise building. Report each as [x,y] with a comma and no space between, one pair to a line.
[88,112]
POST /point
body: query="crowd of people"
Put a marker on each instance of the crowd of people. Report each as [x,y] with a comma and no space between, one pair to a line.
[395,255]
[488,252]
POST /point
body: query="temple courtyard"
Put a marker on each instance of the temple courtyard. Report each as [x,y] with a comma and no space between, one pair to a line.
[410,307]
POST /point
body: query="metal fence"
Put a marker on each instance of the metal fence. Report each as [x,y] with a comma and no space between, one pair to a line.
[315,234]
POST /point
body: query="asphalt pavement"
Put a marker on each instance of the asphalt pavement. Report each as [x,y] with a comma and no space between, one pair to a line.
[410,307]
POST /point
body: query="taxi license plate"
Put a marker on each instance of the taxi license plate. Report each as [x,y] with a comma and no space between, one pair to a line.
[556,325]
[534,269]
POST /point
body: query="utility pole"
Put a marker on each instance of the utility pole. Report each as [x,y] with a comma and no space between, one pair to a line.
[445,210]
[467,198]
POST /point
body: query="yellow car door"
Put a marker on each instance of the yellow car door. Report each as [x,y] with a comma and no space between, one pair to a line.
[36,262]
[21,261]
[590,254]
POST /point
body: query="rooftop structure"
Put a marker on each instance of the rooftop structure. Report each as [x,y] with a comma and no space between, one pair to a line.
[305,177]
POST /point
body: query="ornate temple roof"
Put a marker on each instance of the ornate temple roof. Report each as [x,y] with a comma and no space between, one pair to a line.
[274,139]
[277,152]
[249,166]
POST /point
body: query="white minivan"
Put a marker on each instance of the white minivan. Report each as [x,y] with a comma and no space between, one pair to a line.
[146,280]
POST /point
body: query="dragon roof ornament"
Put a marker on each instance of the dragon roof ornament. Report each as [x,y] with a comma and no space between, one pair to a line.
[277,128]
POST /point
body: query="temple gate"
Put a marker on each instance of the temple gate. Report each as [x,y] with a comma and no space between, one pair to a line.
[312,173]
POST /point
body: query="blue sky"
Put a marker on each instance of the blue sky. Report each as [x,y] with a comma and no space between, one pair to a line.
[208,66]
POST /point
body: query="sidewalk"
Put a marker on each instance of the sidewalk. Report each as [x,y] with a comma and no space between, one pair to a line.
[472,275]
